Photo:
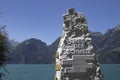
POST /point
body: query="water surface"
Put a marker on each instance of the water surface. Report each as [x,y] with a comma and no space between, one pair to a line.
[47,72]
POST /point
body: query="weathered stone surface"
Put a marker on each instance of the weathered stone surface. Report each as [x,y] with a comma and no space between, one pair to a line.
[78,64]
[76,58]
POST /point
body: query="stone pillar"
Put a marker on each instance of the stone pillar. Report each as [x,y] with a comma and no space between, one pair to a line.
[75,58]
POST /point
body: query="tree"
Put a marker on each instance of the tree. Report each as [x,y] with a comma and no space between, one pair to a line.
[3,49]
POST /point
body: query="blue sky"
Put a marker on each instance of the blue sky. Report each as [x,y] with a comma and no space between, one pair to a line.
[42,19]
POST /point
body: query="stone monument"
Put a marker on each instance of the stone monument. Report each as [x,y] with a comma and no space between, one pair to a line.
[75,58]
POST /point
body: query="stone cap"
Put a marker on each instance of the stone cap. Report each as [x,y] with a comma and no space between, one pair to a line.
[71,11]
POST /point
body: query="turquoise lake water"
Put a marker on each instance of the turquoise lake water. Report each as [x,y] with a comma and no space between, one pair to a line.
[46,72]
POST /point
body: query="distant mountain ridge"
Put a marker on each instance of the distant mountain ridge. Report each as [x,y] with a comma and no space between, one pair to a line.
[31,51]
[34,51]
[110,52]
[14,43]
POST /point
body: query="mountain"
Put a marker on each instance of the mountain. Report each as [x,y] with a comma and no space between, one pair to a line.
[53,47]
[34,51]
[13,43]
[31,51]
[110,51]
[97,40]
[106,46]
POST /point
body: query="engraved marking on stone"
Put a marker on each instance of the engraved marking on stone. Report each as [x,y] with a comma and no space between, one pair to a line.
[78,64]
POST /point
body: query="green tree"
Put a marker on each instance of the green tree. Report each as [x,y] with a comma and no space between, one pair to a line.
[3,49]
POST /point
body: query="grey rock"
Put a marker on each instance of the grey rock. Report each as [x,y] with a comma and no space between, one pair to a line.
[77,59]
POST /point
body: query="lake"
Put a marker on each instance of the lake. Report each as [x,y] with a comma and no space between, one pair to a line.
[47,72]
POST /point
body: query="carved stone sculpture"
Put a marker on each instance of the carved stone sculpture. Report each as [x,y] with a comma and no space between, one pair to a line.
[75,58]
